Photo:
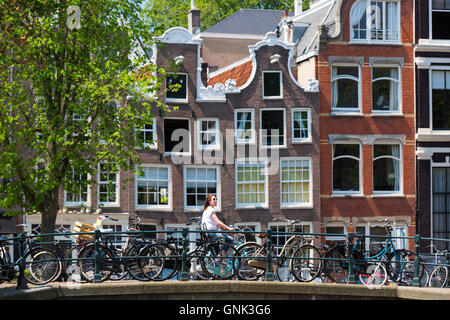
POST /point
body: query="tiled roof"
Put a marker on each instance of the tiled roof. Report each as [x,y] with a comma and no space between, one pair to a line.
[241,73]
[249,21]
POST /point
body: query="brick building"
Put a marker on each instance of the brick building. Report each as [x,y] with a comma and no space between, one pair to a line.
[432,57]
[250,135]
[361,52]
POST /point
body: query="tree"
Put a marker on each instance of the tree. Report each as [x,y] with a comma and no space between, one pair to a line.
[73,94]
[165,14]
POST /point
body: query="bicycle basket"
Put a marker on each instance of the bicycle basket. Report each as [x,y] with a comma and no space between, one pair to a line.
[84,227]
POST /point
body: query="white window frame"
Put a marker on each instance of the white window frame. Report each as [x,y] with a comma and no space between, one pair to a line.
[157,207]
[190,138]
[154,145]
[338,192]
[396,232]
[218,207]
[335,225]
[240,162]
[368,23]
[435,68]
[252,130]
[216,132]
[78,203]
[308,204]
[281,85]
[192,236]
[117,191]
[399,88]
[308,139]
[286,225]
[430,25]
[178,100]
[380,192]
[339,77]
[257,226]
[261,135]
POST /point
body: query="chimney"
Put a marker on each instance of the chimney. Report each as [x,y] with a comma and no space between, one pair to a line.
[298,7]
[194,19]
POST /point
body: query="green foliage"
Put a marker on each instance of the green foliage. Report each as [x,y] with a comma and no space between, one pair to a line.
[165,14]
[70,98]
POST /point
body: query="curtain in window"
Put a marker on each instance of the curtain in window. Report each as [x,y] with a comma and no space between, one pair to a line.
[394,103]
[392,21]
[334,88]
[397,168]
[356,14]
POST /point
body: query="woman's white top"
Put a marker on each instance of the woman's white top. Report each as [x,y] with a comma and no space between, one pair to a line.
[208,220]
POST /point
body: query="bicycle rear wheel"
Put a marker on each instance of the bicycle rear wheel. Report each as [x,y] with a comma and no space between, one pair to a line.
[87,263]
[220,265]
[252,257]
[438,277]
[305,264]
[401,267]
[42,266]
[335,265]
[132,265]
[375,274]
[158,262]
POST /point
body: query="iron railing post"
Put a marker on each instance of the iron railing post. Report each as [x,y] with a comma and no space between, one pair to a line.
[416,279]
[351,274]
[269,272]
[97,274]
[21,281]
[184,272]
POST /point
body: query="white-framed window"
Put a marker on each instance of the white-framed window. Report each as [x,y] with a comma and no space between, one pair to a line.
[347,168]
[177,87]
[178,236]
[154,187]
[108,184]
[301,125]
[244,123]
[296,182]
[272,84]
[251,184]
[280,236]
[373,244]
[440,95]
[177,136]
[273,127]
[440,218]
[387,168]
[375,21]
[345,88]
[148,135]
[386,93]
[82,196]
[439,17]
[199,182]
[253,226]
[335,232]
[208,134]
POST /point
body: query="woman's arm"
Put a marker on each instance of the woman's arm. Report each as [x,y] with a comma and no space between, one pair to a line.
[219,223]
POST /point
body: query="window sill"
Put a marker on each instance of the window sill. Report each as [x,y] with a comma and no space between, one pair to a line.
[347,195]
[245,142]
[346,114]
[306,141]
[299,206]
[387,114]
[153,209]
[388,195]
[372,43]
[274,147]
[177,101]
[272,98]
[251,207]
[109,205]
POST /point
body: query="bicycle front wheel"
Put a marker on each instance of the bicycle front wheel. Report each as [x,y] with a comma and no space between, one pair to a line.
[335,265]
[158,262]
[306,263]
[375,274]
[438,277]
[252,265]
[86,263]
[401,267]
[219,264]
[42,267]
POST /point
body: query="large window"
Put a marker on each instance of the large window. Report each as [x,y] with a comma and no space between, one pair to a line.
[345,88]
[108,184]
[346,168]
[375,21]
[385,89]
[295,182]
[176,85]
[301,125]
[273,127]
[441,206]
[440,99]
[153,187]
[244,122]
[440,15]
[199,182]
[251,184]
[387,168]
[272,85]
[176,136]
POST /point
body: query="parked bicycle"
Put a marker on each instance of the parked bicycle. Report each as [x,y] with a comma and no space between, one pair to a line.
[439,276]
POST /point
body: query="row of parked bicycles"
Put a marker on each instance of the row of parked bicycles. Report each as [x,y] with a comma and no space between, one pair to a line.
[251,257]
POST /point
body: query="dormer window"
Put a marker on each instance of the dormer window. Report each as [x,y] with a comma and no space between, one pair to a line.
[272,85]
[375,21]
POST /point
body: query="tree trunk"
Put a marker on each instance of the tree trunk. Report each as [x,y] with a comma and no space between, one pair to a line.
[49,215]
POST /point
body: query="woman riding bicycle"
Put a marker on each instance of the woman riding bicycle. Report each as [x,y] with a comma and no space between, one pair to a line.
[211,222]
